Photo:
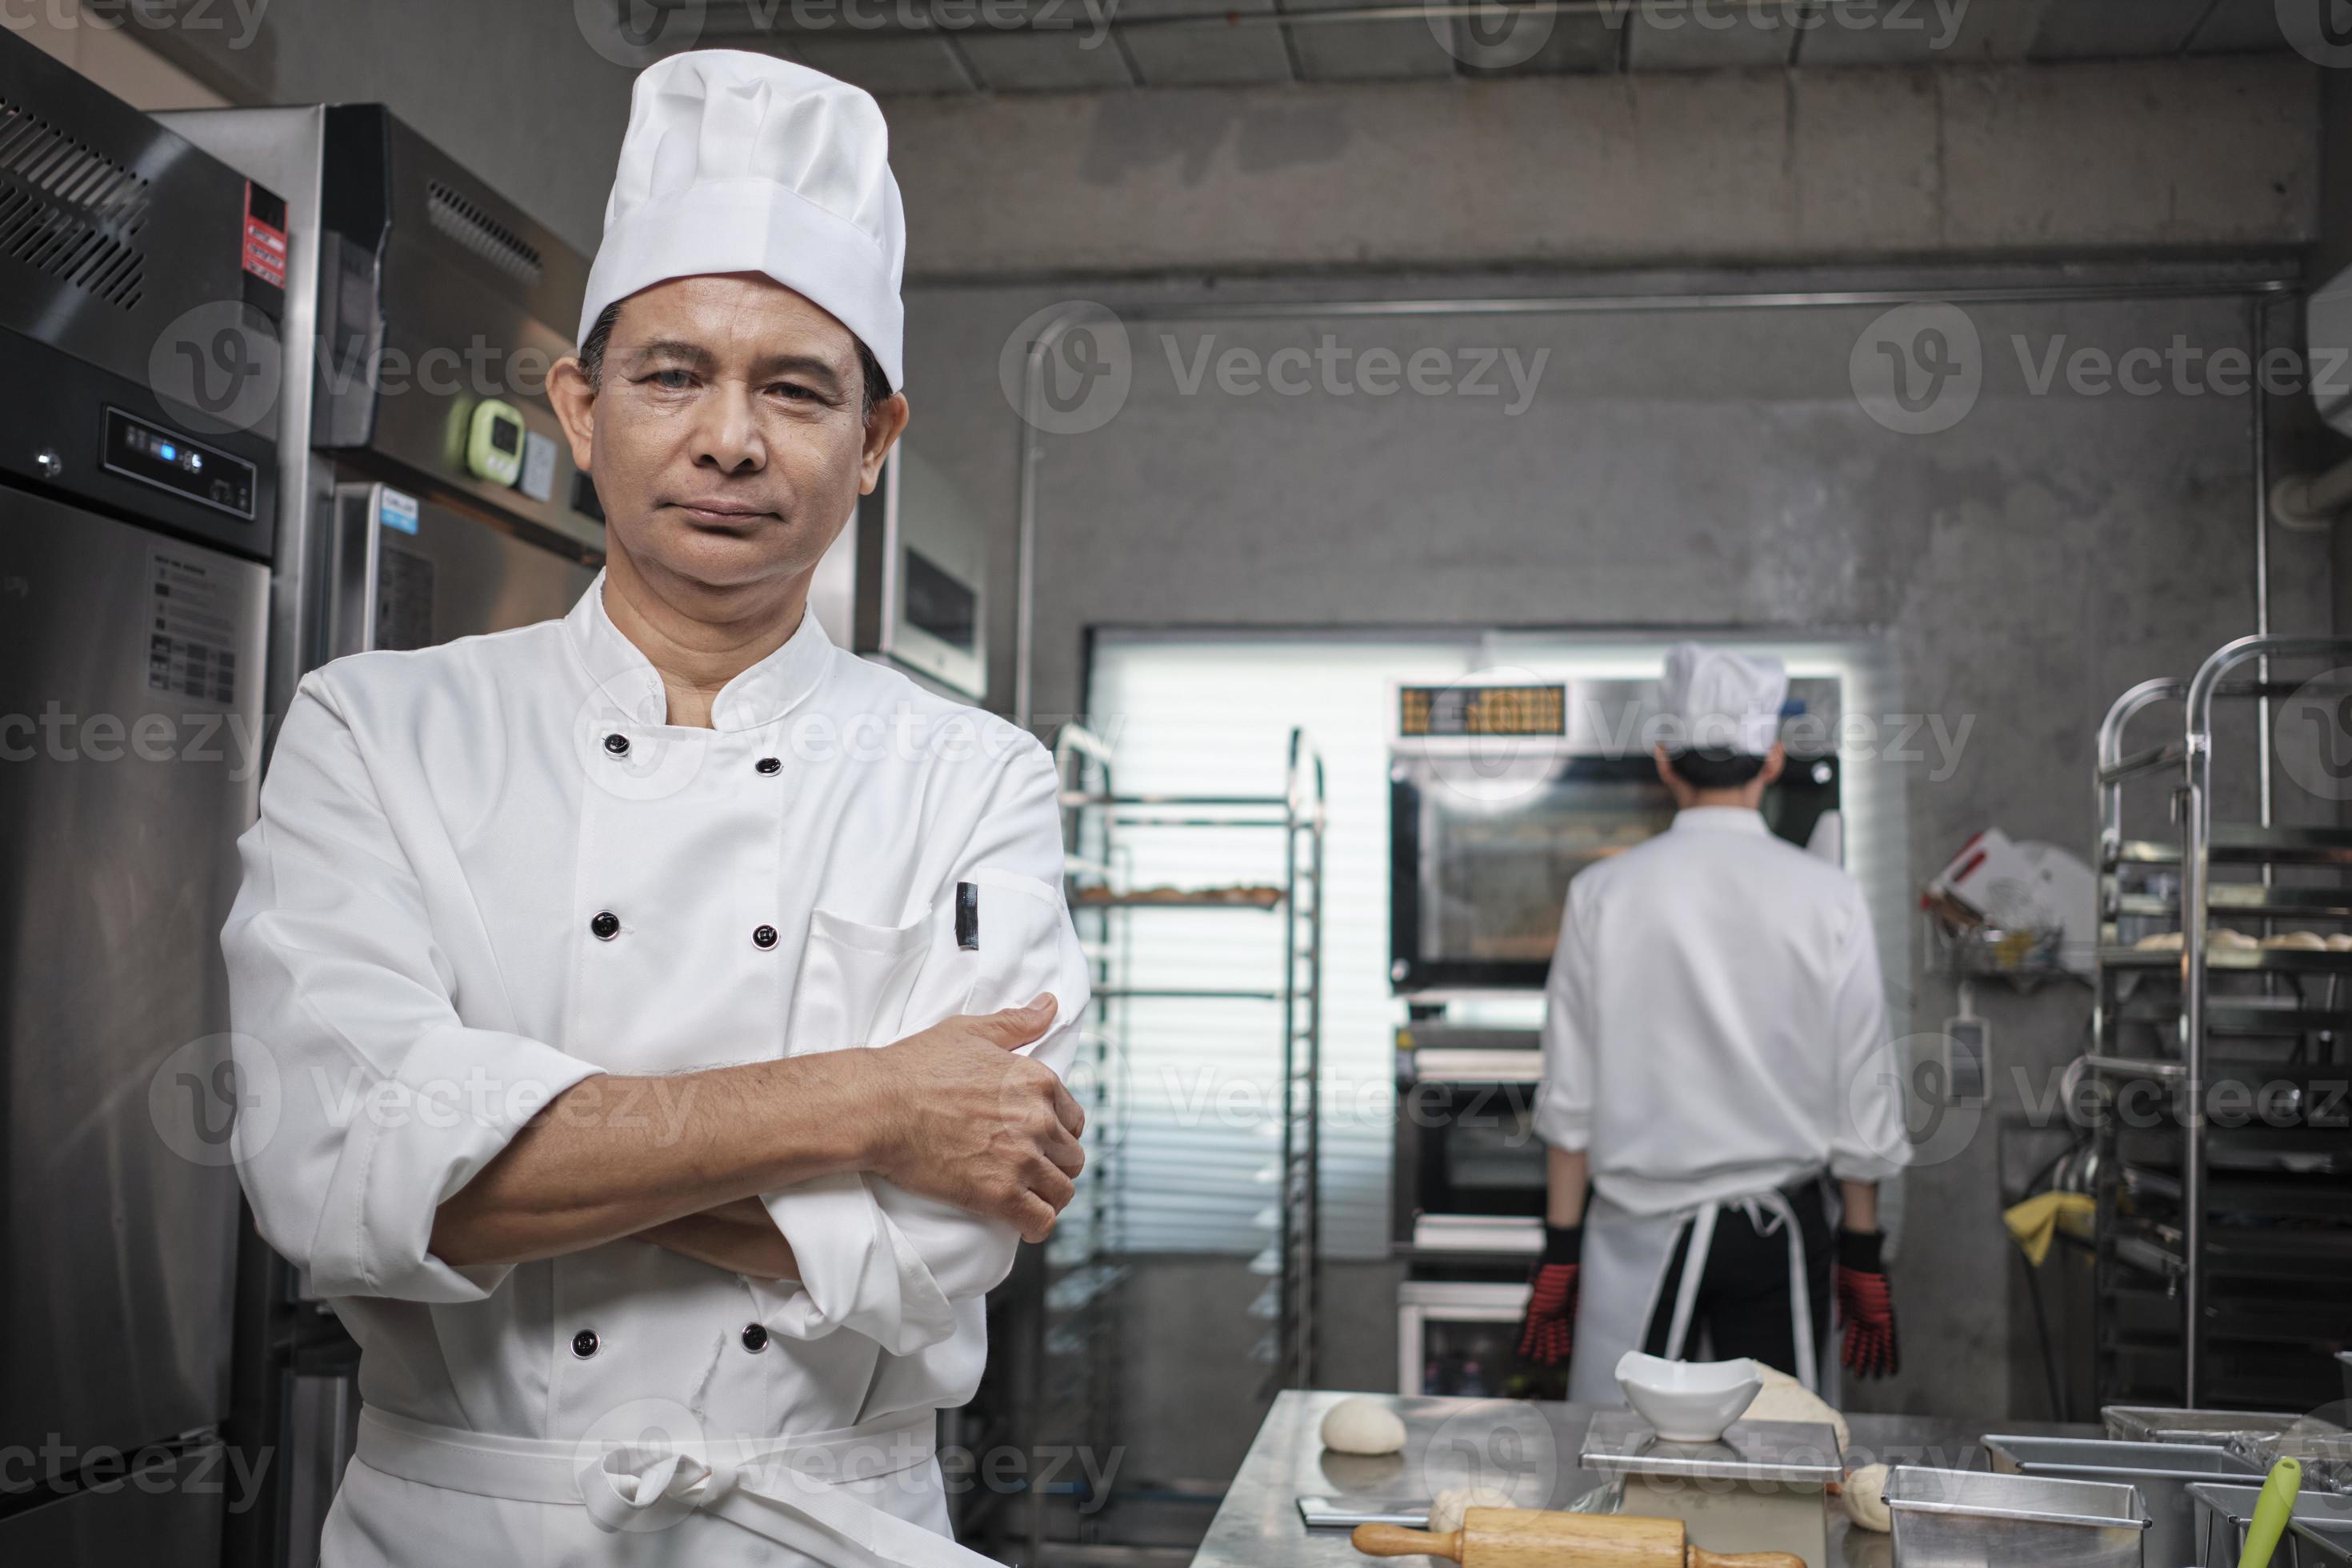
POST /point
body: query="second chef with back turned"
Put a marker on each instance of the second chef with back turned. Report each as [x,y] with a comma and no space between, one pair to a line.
[1714,1057]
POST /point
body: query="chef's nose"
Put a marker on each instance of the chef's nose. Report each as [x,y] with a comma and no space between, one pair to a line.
[727,434]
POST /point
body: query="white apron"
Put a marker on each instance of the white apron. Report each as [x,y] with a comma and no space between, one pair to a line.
[810,1495]
[1624,1273]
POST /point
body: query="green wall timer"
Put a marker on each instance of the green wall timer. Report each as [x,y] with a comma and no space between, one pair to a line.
[494,443]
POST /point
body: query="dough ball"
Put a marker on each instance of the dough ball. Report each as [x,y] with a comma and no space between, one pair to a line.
[1445,1511]
[2298,942]
[1783,1399]
[2339,941]
[2162,941]
[2223,938]
[1361,1425]
[1865,1499]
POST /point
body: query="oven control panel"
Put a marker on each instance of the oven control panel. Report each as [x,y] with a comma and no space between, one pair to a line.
[143,450]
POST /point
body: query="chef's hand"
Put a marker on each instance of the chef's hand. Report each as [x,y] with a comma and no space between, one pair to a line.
[1546,1333]
[965,1120]
[1866,1305]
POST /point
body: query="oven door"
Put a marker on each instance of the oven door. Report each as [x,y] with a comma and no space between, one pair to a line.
[1480,866]
[1459,1338]
[1470,1172]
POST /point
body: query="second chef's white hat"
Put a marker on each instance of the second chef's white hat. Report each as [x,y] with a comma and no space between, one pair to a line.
[743,163]
[1721,700]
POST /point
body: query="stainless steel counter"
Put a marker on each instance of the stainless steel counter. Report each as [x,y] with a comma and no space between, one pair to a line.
[1527,1449]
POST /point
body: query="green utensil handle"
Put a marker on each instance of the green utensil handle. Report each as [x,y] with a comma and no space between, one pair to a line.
[2271,1510]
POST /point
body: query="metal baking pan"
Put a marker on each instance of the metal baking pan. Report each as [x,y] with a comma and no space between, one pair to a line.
[2222,1513]
[1971,1519]
[2205,1428]
[2162,1472]
[2326,1456]
[2317,1545]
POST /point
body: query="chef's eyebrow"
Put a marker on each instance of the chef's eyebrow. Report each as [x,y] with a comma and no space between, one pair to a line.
[676,350]
[812,366]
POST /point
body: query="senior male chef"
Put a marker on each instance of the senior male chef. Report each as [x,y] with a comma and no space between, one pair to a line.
[555,944]
[1714,1042]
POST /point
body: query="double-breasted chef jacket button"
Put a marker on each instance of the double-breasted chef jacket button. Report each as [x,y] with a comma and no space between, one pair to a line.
[583,1343]
[618,745]
[771,766]
[755,1337]
[764,937]
[606,926]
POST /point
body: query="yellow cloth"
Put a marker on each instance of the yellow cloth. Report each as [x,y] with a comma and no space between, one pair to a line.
[2035,1223]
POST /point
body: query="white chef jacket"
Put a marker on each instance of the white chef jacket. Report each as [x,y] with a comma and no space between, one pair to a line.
[417,964]
[1714,1024]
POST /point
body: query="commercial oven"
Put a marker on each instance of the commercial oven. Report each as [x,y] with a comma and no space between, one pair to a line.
[1468,1169]
[141,302]
[1500,794]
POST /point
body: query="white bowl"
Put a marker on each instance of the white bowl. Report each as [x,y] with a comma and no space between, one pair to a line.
[1687,1401]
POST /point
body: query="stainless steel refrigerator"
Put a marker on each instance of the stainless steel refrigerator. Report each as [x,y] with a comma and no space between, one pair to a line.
[141,295]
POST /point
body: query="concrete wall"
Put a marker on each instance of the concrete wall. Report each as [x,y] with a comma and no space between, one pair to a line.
[118,58]
[1565,170]
[1742,167]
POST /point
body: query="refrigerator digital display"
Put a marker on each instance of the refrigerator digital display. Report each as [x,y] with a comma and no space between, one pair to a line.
[168,460]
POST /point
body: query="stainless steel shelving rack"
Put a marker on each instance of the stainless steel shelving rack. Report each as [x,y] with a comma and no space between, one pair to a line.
[1076,1336]
[2223,1272]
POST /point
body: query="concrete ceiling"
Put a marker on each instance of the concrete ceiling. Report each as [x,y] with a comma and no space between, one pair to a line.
[950,46]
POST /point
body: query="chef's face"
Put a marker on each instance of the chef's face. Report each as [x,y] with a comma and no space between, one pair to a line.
[727,432]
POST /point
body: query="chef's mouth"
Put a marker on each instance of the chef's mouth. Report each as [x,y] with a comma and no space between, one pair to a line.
[722,514]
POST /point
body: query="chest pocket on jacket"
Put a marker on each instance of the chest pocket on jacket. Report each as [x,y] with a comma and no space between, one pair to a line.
[854,981]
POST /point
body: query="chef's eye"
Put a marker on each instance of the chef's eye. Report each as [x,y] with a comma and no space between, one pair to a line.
[672,380]
[793,391]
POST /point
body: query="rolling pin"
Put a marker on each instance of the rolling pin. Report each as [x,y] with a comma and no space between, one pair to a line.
[1528,1538]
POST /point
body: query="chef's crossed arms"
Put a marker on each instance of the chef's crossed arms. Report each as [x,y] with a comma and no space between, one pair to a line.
[950,1112]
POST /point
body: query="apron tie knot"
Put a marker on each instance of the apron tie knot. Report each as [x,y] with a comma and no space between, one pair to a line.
[646,1487]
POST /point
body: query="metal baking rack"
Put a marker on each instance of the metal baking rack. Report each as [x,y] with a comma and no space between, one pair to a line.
[2223,1272]
[1075,1299]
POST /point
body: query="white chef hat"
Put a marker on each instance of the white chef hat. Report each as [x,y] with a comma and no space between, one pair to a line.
[1721,700]
[743,163]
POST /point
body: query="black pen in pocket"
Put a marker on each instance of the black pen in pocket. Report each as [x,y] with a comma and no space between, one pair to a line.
[967,916]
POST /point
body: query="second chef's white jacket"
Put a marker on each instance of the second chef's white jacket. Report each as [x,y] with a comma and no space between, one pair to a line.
[1714,1022]
[487,870]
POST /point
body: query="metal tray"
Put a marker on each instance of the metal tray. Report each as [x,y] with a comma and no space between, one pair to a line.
[1781,1452]
[1970,1519]
[1346,1513]
[2161,1472]
[2222,1513]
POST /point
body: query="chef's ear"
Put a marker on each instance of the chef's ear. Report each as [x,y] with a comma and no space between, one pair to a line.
[573,398]
[1774,761]
[883,428]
